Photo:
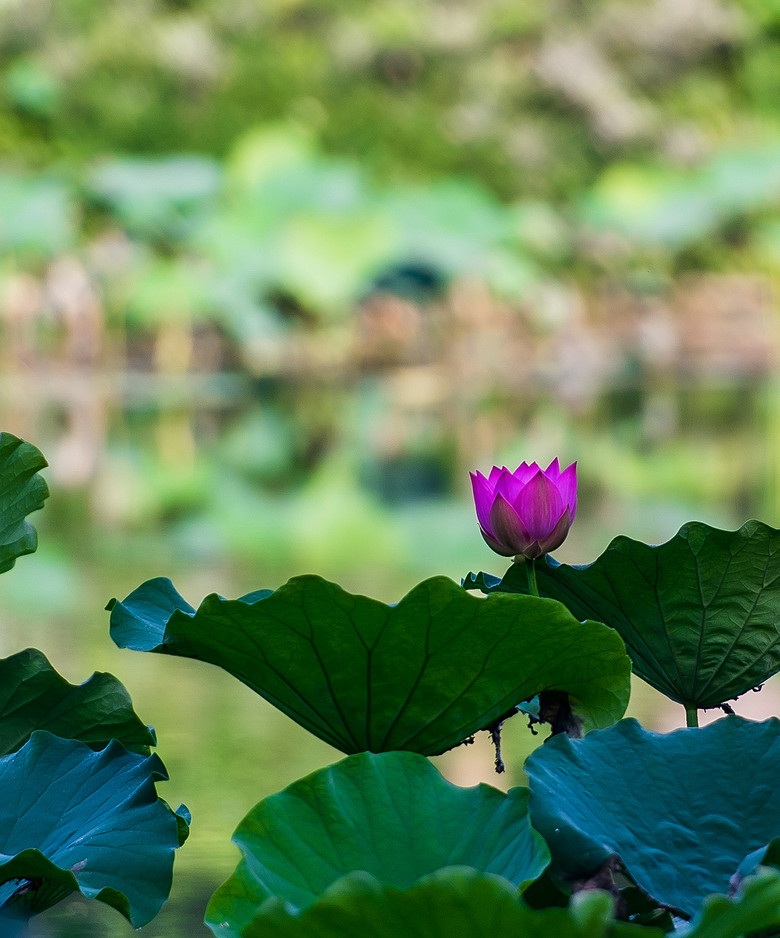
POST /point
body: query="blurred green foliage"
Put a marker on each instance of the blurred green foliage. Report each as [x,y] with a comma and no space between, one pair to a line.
[278,230]
[662,112]
[294,154]
[533,99]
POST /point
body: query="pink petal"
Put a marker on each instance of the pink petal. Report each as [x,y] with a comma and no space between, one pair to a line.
[553,470]
[493,544]
[483,499]
[495,472]
[524,472]
[540,506]
[507,527]
[557,536]
[508,485]
[567,486]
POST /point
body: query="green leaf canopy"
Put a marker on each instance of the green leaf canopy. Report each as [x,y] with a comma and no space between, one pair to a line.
[681,810]
[74,819]
[454,903]
[700,614]
[22,491]
[388,814]
[421,675]
[34,696]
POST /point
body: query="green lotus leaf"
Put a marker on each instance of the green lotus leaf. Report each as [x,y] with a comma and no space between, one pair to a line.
[756,907]
[34,696]
[422,675]
[75,819]
[388,814]
[700,614]
[22,491]
[681,810]
[457,902]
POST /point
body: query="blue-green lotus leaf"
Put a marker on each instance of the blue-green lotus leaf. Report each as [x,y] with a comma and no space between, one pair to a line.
[681,810]
[34,696]
[457,902]
[22,491]
[700,614]
[388,814]
[75,819]
[421,675]
[756,907]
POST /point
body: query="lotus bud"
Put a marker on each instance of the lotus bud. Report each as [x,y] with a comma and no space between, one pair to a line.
[527,512]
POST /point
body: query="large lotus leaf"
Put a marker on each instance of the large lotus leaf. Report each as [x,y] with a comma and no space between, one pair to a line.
[681,810]
[22,490]
[454,903]
[34,696]
[421,675]
[75,819]
[755,908]
[389,814]
[700,614]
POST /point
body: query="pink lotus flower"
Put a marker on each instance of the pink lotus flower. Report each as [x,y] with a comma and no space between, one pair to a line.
[528,511]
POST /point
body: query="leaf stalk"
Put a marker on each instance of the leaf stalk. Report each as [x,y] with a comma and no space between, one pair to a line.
[530,566]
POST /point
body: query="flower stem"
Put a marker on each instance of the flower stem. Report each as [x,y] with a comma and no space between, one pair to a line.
[530,566]
[691,716]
